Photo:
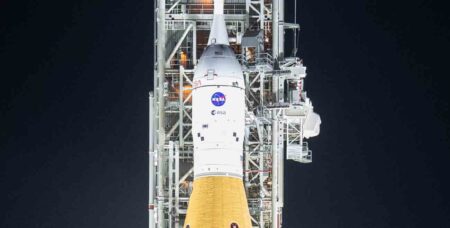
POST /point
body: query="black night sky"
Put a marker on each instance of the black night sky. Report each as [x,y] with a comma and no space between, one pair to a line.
[75,77]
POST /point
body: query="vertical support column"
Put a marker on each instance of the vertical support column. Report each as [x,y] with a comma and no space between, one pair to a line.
[247,85]
[261,14]
[194,43]
[247,156]
[181,106]
[247,5]
[161,117]
[171,180]
[281,28]
[155,33]
[174,184]
[275,36]
[261,186]
[278,87]
[274,169]
[278,29]
[151,166]
[262,76]
[177,184]
[294,52]
[275,88]
[281,164]
[281,88]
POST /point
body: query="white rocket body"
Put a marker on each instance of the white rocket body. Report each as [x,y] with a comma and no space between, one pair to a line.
[218,198]
[218,106]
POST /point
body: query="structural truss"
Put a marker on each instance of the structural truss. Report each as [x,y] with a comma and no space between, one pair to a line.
[278,107]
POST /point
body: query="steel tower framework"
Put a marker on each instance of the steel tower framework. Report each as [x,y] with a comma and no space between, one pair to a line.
[277,104]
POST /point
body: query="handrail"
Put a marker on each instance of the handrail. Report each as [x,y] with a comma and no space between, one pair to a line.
[207,8]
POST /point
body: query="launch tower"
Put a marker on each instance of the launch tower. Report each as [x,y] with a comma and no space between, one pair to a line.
[278,115]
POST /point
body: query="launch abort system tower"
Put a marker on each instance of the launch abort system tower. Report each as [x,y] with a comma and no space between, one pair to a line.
[278,115]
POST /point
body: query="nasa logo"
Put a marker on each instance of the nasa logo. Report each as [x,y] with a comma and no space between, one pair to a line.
[218,99]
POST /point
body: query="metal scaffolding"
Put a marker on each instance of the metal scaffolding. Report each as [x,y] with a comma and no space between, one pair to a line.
[277,105]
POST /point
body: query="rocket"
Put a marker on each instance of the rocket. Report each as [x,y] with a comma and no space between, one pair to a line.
[218,198]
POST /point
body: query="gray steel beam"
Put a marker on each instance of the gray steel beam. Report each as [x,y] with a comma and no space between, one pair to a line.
[151,171]
[181,106]
[274,169]
[275,25]
[161,103]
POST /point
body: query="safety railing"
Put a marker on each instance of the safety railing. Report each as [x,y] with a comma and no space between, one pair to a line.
[259,59]
[205,8]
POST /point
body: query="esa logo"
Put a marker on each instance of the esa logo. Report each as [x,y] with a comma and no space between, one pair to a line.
[218,112]
[218,99]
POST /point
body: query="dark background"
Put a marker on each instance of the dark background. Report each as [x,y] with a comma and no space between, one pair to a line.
[75,77]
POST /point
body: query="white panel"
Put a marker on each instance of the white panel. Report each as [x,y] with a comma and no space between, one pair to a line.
[218,129]
[312,125]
